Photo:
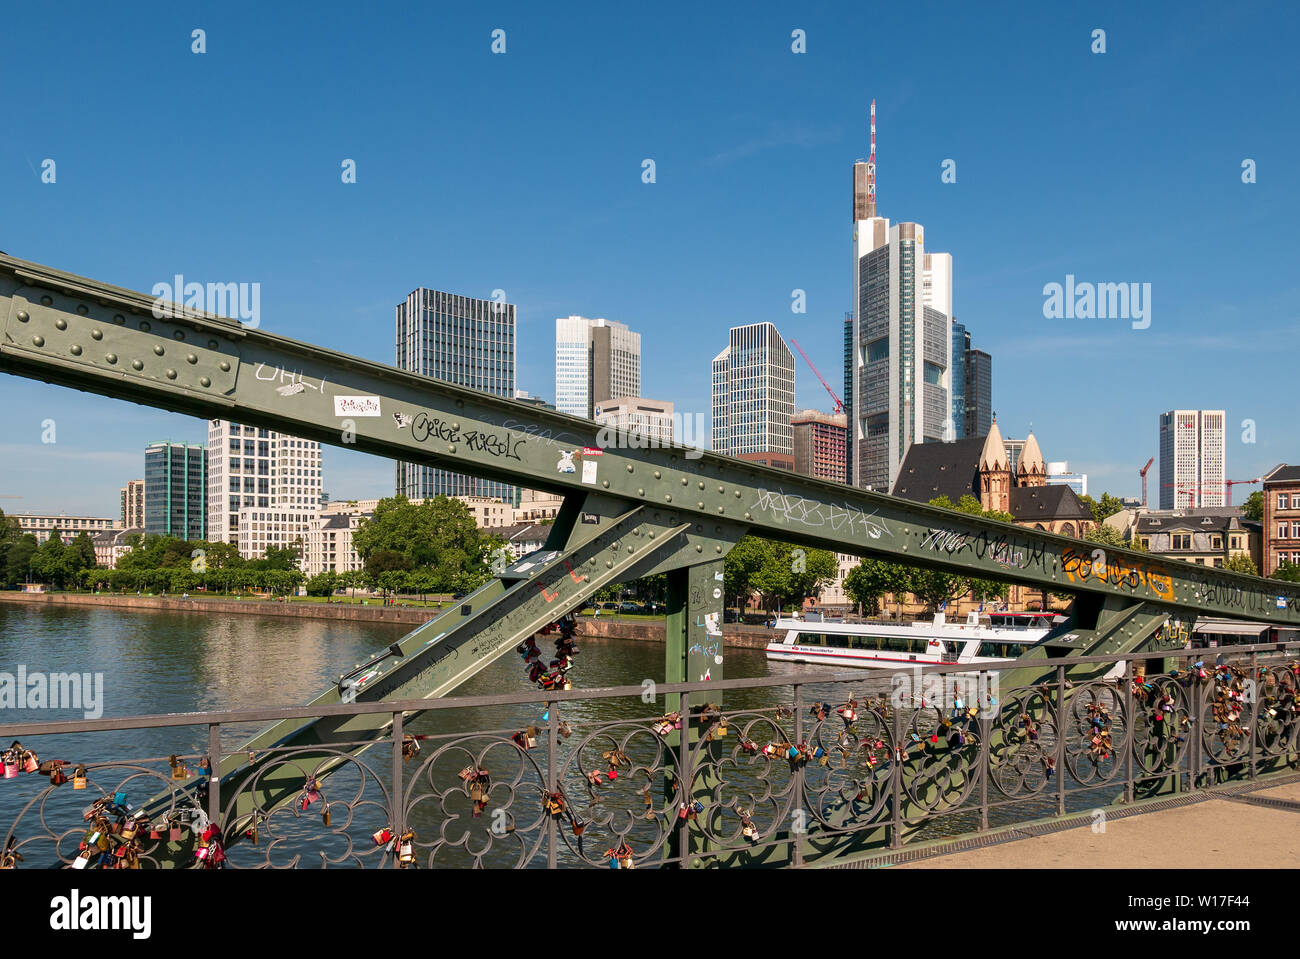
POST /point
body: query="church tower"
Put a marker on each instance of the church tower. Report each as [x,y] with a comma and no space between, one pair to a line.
[994,473]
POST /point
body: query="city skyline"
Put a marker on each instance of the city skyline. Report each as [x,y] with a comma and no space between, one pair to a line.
[1043,180]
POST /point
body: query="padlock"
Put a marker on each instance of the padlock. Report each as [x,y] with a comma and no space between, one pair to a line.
[406,849]
[325,815]
[410,747]
[11,767]
[83,859]
[30,762]
[58,777]
[174,832]
[383,837]
[178,768]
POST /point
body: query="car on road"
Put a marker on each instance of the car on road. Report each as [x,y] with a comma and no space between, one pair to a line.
[630,607]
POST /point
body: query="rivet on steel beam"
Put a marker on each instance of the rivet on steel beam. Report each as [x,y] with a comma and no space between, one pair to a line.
[608,564]
[47,301]
[748,516]
[717,549]
[191,359]
[719,509]
[213,344]
[75,350]
[699,548]
[640,492]
[38,340]
[61,323]
[737,494]
[668,497]
[721,489]
[605,483]
[657,473]
[23,316]
[119,319]
[145,326]
[629,467]
[451,447]
[158,351]
[111,357]
[455,426]
[204,382]
[178,334]
[684,481]
[171,374]
[701,484]
[96,334]
[699,504]
[225,367]
[460,404]
[83,309]
[137,365]
[629,549]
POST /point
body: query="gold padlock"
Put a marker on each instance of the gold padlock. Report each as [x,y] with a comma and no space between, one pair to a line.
[79,778]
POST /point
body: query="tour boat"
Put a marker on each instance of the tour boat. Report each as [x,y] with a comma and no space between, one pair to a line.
[983,638]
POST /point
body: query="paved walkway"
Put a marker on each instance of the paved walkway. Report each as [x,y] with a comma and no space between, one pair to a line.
[1214,834]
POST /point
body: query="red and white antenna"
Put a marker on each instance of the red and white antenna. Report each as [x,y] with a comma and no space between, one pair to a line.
[871,166]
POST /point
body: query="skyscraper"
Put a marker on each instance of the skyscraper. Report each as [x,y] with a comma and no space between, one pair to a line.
[132,496]
[960,346]
[902,337]
[820,444]
[175,494]
[979,392]
[1192,467]
[595,360]
[264,487]
[848,393]
[753,393]
[460,340]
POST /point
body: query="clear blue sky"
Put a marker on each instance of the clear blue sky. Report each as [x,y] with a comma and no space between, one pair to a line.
[522,172]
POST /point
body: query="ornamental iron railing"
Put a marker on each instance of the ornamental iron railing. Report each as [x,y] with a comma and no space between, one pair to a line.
[804,768]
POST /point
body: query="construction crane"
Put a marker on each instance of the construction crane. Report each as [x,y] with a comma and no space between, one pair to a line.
[1143,473]
[1213,488]
[839,404]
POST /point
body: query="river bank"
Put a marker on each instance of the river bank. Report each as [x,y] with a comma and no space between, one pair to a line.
[605,627]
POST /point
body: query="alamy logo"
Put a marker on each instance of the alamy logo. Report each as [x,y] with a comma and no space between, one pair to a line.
[236,301]
[687,430]
[76,912]
[1100,301]
[24,690]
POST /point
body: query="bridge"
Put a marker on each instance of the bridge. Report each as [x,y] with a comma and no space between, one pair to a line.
[629,512]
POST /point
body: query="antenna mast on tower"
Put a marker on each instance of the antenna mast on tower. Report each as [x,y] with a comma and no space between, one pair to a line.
[871,166]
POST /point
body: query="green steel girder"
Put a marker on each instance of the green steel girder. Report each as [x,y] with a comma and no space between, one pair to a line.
[87,335]
[450,648]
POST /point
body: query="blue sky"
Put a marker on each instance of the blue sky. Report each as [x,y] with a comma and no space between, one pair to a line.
[522,172]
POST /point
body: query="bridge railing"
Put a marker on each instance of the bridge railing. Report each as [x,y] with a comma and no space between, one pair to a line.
[801,768]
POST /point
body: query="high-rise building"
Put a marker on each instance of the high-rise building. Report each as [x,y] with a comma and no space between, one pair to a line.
[132,512]
[651,420]
[1014,448]
[1058,474]
[175,490]
[820,443]
[848,393]
[69,527]
[960,346]
[264,487]
[1192,468]
[595,361]
[902,338]
[979,392]
[753,393]
[460,340]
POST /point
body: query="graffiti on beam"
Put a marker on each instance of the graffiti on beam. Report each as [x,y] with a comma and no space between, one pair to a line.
[1081,566]
[292,382]
[814,514]
[1007,550]
[500,445]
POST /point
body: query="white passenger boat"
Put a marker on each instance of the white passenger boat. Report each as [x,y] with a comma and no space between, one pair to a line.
[983,638]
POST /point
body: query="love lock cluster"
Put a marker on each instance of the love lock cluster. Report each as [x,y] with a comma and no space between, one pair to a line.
[555,674]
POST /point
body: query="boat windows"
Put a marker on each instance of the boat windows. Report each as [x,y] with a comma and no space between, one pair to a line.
[999,650]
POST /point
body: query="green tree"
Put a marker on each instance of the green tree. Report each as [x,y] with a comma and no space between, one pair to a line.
[934,588]
[1241,563]
[869,581]
[323,584]
[1287,571]
[1253,508]
[21,559]
[1107,536]
[740,566]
